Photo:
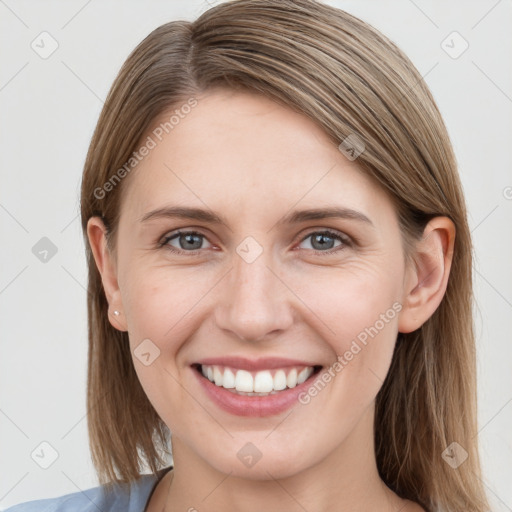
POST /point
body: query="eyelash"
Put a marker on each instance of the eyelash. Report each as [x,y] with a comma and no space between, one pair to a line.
[346,242]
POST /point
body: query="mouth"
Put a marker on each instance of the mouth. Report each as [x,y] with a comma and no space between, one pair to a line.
[256,383]
[260,390]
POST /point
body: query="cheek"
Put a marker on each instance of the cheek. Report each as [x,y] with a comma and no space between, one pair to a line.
[356,311]
[158,300]
[159,304]
[346,301]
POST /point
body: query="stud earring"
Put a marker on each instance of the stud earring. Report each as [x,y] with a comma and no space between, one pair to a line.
[116,313]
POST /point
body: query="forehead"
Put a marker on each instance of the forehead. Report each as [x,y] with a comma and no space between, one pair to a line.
[240,151]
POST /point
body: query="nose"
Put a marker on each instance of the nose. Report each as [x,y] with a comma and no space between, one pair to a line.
[254,303]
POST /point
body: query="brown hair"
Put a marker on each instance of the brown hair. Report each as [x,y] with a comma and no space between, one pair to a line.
[350,79]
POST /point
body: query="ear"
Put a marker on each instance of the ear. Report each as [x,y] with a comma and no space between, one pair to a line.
[105,261]
[427,278]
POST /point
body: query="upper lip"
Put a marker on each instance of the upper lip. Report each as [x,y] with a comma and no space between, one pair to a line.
[263,363]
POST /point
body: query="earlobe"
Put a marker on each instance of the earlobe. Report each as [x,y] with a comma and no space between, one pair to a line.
[105,262]
[427,278]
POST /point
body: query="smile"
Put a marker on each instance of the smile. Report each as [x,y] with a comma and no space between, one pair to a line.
[261,383]
[254,388]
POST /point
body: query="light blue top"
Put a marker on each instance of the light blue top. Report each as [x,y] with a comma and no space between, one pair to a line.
[124,498]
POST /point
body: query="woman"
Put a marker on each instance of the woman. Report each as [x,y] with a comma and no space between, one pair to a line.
[279,275]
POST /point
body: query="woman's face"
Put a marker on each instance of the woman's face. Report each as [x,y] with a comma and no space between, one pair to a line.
[259,289]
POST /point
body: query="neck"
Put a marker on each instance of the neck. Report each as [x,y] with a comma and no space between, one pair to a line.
[347,480]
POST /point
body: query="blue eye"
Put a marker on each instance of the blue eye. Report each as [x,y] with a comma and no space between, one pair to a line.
[322,240]
[190,242]
[186,240]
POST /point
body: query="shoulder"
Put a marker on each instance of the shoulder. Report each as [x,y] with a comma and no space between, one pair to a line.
[127,497]
[74,501]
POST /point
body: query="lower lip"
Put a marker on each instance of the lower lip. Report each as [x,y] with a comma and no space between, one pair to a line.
[258,406]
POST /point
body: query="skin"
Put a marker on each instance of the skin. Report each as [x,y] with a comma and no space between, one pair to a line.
[253,161]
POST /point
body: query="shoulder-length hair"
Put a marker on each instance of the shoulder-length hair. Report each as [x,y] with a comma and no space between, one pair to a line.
[350,79]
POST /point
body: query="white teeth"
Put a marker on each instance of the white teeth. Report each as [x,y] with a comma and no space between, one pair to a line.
[280,380]
[229,379]
[303,375]
[263,382]
[244,381]
[217,376]
[259,383]
[291,380]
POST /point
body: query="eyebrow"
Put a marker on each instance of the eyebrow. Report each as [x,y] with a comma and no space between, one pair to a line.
[294,217]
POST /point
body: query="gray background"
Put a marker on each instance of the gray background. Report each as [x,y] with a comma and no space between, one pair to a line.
[49,108]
